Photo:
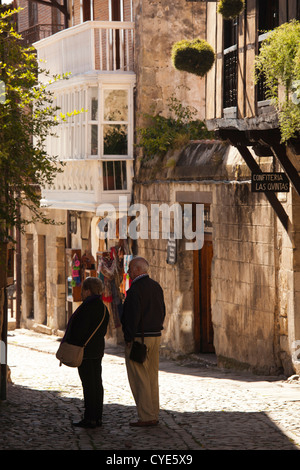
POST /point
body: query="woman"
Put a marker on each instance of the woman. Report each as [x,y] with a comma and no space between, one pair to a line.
[82,324]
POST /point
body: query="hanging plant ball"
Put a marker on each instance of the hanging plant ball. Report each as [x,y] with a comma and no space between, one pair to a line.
[195,56]
[229,9]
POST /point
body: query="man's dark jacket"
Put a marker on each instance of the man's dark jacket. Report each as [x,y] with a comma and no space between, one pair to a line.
[145,300]
[82,324]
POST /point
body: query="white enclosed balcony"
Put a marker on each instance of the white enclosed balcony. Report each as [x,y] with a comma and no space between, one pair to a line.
[91,46]
[87,185]
[96,145]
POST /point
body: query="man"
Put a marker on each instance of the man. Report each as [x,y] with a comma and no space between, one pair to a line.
[82,324]
[144,310]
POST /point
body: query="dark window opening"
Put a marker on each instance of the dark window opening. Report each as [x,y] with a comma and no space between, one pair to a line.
[86,10]
[268,19]
[230,33]
[32,13]
[114,176]
[115,10]
[268,15]
[230,64]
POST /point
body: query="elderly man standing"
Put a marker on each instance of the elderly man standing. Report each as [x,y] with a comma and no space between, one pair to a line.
[144,311]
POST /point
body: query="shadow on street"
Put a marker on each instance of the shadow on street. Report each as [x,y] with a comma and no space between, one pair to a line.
[41,419]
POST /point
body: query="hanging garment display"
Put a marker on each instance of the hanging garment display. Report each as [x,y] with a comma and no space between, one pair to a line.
[76,281]
[109,268]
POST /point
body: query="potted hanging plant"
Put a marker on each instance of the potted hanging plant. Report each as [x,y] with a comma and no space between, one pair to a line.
[194,56]
[230,9]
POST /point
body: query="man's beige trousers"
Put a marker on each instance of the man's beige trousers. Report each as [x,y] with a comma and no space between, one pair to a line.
[143,380]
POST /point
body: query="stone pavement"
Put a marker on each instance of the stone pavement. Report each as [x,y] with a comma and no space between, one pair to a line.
[202,408]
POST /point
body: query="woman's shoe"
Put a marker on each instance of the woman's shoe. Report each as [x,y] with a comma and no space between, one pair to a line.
[85,423]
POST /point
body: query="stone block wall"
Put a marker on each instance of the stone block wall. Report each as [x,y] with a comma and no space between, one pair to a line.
[43,274]
[244,293]
[159,25]
[254,269]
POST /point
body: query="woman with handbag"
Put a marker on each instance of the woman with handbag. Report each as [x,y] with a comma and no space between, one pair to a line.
[90,320]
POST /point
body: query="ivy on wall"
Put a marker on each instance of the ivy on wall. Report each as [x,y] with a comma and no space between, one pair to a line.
[278,64]
[171,132]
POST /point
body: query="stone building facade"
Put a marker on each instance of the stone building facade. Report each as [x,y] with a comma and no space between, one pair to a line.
[238,296]
[97,51]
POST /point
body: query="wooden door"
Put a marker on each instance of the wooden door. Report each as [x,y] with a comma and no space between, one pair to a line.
[203,328]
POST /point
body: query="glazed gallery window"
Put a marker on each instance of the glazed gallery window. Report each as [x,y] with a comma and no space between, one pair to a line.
[93,124]
[115,122]
[111,127]
[69,141]
[114,175]
[99,127]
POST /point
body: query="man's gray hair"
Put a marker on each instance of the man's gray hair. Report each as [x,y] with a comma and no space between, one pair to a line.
[141,263]
[94,284]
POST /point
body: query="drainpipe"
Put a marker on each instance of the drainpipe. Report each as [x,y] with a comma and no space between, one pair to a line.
[18,278]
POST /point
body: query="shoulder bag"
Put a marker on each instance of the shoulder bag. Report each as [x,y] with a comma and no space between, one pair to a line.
[71,355]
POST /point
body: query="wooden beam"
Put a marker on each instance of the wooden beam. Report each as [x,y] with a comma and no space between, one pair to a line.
[272,198]
[279,150]
[272,138]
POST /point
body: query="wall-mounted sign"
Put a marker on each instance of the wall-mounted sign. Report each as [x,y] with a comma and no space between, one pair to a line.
[171,250]
[73,223]
[270,182]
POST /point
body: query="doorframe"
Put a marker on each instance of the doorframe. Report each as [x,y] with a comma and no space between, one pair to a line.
[205,198]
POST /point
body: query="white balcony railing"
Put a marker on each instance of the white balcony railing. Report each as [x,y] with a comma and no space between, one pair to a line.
[90,46]
[80,187]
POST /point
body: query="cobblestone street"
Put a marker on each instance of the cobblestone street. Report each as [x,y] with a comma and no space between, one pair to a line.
[202,408]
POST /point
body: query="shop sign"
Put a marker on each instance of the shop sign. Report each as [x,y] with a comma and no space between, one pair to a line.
[171,251]
[270,182]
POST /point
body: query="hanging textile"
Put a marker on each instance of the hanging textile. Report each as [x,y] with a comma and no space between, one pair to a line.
[109,269]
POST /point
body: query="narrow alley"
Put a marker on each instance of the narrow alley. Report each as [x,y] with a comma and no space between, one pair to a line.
[202,408]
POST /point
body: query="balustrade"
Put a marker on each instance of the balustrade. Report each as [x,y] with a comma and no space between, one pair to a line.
[90,46]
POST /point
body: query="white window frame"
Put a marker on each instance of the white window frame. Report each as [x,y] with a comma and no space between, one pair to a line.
[127,123]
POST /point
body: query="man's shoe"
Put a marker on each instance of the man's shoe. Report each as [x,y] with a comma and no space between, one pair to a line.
[85,423]
[143,424]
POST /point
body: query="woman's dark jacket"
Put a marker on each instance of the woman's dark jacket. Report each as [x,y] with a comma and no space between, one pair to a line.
[144,307]
[82,324]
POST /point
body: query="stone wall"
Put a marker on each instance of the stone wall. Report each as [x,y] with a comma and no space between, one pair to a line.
[252,294]
[159,24]
[43,274]
[244,278]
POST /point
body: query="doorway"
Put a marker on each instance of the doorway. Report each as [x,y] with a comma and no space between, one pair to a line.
[203,328]
[116,15]
[87,10]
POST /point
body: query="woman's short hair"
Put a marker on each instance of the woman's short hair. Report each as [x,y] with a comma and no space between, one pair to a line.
[94,284]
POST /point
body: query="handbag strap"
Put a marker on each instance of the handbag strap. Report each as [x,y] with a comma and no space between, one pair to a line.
[95,329]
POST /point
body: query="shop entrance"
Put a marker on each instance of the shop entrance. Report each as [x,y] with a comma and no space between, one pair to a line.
[203,329]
